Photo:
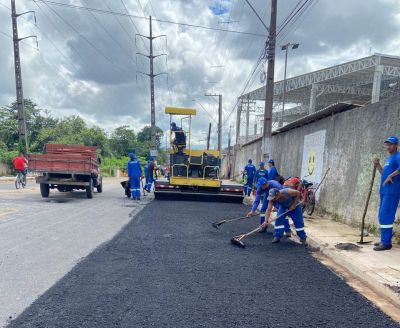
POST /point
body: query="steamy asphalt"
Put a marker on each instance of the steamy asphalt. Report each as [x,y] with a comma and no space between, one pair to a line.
[169,268]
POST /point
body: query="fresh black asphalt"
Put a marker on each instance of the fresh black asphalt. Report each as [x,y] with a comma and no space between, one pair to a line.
[169,268]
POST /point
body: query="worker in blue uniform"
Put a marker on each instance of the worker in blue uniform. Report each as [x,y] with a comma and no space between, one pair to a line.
[150,175]
[286,200]
[272,171]
[146,175]
[262,172]
[389,192]
[250,171]
[263,188]
[135,173]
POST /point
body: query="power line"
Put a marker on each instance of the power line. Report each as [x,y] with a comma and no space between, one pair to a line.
[146,18]
[256,13]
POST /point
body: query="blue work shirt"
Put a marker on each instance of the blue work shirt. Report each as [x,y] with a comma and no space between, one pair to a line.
[261,174]
[250,170]
[146,170]
[134,169]
[286,201]
[261,192]
[392,164]
[272,173]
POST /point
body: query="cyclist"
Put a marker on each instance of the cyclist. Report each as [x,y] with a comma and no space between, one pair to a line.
[20,164]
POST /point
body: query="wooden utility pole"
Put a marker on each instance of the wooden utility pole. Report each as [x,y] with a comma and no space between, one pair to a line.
[22,133]
[219,119]
[269,88]
[209,136]
[151,75]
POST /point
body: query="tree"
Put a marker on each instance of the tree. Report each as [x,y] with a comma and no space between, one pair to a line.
[145,135]
[122,141]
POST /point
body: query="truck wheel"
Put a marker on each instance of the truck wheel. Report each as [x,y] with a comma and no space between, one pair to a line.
[90,189]
[100,187]
[44,190]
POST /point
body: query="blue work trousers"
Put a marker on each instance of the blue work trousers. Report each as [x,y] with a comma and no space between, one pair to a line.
[387,215]
[264,207]
[297,217]
[248,187]
[149,183]
[135,187]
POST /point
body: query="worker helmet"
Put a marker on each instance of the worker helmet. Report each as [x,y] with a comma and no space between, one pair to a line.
[261,164]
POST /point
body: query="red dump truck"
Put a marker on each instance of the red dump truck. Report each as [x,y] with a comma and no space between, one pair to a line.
[67,168]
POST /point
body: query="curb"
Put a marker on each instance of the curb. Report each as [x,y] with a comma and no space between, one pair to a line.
[360,272]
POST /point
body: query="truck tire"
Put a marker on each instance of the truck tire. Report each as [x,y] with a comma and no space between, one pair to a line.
[100,186]
[90,189]
[44,190]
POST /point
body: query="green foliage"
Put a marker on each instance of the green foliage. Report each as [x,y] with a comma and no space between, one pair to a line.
[42,128]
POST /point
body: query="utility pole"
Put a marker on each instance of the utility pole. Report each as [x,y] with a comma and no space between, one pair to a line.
[229,152]
[248,119]
[22,133]
[286,49]
[151,56]
[208,136]
[238,116]
[269,88]
[219,118]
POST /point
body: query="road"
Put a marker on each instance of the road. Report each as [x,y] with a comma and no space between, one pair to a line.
[169,268]
[42,239]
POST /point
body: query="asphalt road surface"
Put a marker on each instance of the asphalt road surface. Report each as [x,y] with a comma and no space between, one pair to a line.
[42,239]
[169,268]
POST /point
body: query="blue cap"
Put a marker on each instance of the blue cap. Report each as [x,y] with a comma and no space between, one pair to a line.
[173,124]
[131,155]
[271,161]
[262,181]
[272,193]
[250,161]
[261,164]
[392,139]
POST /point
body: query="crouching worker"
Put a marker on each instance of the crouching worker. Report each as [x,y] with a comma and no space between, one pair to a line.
[263,187]
[135,173]
[286,200]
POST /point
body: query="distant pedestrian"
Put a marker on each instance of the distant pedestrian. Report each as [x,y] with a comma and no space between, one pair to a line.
[135,173]
[272,171]
[389,192]
[150,175]
[262,172]
[250,171]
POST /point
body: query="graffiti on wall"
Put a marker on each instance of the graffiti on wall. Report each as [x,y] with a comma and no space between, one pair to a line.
[313,156]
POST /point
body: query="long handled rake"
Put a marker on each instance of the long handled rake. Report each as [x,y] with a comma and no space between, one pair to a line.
[217,224]
[238,240]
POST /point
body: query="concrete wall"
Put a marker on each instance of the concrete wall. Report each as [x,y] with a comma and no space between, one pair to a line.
[352,139]
[4,169]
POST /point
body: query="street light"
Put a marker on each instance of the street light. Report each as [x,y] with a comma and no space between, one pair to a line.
[285,48]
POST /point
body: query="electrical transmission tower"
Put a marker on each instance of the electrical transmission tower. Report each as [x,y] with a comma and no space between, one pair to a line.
[22,133]
[151,57]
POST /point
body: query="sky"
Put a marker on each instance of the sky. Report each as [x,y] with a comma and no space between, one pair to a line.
[87,62]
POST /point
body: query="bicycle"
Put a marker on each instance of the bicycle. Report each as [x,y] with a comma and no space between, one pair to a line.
[308,197]
[20,180]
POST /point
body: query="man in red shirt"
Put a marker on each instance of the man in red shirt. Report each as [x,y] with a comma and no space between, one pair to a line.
[20,164]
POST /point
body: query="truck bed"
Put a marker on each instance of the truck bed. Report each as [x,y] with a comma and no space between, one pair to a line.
[63,163]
